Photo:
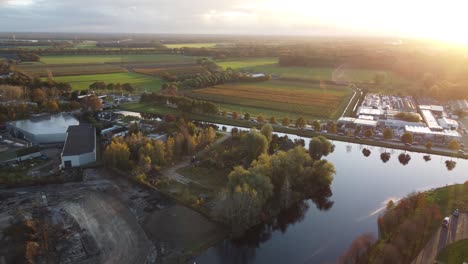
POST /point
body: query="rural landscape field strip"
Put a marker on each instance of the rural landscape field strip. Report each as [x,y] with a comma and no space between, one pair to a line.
[291,97]
[43,70]
[171,70]
[82,59]
[139,81]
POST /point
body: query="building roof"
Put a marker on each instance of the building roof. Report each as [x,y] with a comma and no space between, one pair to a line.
[436,108]
[80,140]
[46,124]
[370,111]
[364,122]
[430,120]
[426,130]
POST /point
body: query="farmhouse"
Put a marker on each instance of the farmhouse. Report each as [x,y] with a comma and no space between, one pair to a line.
[43,129]
[80,146]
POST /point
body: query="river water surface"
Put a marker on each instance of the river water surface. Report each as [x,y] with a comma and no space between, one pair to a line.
[361,188]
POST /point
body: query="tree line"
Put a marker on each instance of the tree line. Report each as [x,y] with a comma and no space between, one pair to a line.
[140,155]
[184,104]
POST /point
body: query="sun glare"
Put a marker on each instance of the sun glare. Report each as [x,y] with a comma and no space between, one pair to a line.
[442,21]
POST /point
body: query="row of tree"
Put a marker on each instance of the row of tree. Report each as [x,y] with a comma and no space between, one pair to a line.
[102,86]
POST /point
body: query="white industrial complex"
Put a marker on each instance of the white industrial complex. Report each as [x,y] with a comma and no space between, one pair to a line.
[383,111]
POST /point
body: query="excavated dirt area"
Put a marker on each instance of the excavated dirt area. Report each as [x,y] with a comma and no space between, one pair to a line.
[103,219]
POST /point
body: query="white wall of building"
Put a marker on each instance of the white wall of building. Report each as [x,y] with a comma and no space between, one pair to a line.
[80,160]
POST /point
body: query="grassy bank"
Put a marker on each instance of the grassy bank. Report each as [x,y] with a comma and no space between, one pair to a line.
[455,253]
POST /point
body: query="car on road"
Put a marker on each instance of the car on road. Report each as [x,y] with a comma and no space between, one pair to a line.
[456,213]
[446,222]
[461,151]
[408,144]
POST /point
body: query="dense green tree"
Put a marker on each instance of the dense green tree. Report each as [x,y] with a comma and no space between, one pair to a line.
[369,133]
[267,131]
[454,145]
[316,125]
[319,147]
[254,144]
[272,120]
[407,138]
[301,122]
[333,128]
[388,133]
[247,116]
[429,145]
[285,121]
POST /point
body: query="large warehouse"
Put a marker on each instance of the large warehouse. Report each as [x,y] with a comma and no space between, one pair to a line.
[80,147]
[44,128]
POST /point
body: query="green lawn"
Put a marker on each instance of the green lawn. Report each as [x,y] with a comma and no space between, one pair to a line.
[84,59]
[456,253]
[139,81]
[191,45]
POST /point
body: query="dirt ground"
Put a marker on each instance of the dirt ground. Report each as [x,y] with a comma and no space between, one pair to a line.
[104,219]
[457,230]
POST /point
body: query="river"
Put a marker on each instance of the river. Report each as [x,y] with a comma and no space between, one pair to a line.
[361,188]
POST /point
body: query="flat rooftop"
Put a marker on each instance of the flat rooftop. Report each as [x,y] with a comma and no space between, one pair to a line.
[80,140]
[46,124]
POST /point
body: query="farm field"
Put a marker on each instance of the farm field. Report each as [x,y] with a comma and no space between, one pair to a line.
[84,59]
[171,70]
[247,63]
[139,81]
[270,65]
[89,44]
[191,45]
[39,69]
[279,98]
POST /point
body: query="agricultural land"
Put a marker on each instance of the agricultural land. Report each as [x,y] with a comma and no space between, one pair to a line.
[279,98]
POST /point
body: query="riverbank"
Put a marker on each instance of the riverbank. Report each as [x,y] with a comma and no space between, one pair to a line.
[221,120]
[412,231]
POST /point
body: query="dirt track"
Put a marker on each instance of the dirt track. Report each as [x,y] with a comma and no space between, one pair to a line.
[443,237]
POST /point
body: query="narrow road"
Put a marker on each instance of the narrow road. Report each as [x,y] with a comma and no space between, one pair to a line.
[171,172]
[443,237]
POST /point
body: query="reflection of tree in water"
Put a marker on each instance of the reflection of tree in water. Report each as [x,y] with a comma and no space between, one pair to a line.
[450,164]
[366,152]
[349,148]
[427,158]
[404,158]
[385,157]
[243,249]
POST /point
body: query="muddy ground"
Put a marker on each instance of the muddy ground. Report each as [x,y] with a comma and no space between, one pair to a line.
[104,219]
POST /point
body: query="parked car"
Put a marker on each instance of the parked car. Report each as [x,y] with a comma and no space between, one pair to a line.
[461,151]
[456,213]
[408,144]
[446,221]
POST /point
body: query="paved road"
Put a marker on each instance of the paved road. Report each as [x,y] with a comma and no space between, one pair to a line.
[443,237]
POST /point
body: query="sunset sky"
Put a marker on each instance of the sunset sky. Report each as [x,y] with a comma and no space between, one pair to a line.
[441,20]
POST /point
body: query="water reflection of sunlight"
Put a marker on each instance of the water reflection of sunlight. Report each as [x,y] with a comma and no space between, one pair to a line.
[378,210]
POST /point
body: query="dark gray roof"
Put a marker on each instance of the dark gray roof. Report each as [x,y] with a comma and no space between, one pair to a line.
[80,140]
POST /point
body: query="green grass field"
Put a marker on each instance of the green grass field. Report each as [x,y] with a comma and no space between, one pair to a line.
[88,44]
[191,45]
[270,65]
[247,63]
[278,98]
[40,69]
[85,59]
[139,81]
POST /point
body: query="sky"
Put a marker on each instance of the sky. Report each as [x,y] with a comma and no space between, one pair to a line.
[434,19]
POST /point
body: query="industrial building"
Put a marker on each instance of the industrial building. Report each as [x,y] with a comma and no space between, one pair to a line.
[43,129]
[80,146]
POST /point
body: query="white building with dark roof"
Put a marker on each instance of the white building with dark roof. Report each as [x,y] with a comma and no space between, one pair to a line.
[80,146]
